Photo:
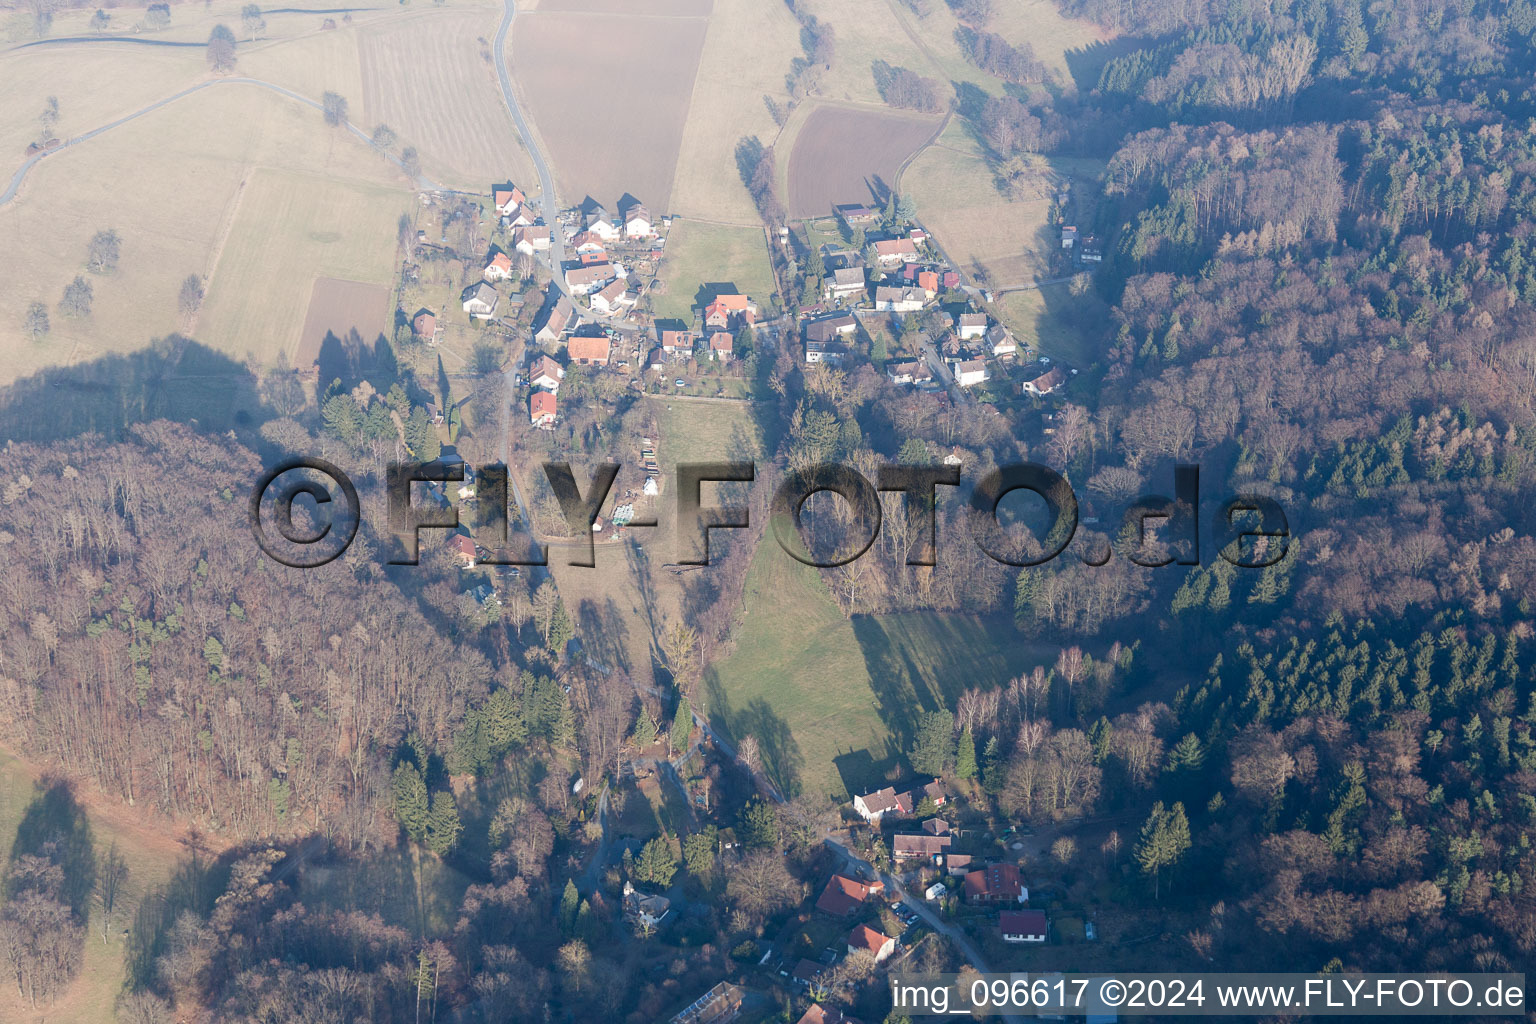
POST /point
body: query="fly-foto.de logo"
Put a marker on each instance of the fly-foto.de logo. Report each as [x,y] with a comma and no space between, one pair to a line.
[1247,530]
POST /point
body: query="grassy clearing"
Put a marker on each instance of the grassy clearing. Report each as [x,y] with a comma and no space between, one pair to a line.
[727,105]
[1042,318]
[831,700]
[150,856]
[704,432]
[700,254]
[866,31]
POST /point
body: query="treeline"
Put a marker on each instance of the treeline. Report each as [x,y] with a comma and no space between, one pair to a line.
[903,87]
[995,55]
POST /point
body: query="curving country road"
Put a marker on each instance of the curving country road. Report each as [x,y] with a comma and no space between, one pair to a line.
[35,158]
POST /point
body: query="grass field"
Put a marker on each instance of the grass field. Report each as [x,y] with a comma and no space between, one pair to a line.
[831,700]
[728,105]
[701,254]
[431,78]
[150,856]
[1038,316]
[609,98]
[851,155]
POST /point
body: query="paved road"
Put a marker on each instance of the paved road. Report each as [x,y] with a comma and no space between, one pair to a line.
[32,161]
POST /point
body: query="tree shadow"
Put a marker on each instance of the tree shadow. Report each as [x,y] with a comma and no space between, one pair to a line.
[604,633]
[173,378]
[54,827]
[782,761]
[1086,63]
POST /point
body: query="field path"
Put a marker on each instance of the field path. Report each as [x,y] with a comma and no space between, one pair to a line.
[31,161]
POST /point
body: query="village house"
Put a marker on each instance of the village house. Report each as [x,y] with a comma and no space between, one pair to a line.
[995,883]
[499,268]
[865,939]
[844,895]
[587,279]
[1022,925]
[915,371]
[918,847]
[874,806]
[890,299]
[463,548]
[1091,251]
[957,864]
[832,352]
[556,321]
[643,909]
[424,325]
[521,217]
[833,327]
[588,350]
[935,827]
[637,222]
[928,281]
[479,301]
[612,297]
[970,372]
[970,325]
[541,409]
[819,1014]
[844,282]
[546,373]
[1068,235]
[531,240]
[507,197]
[1044,384]
[586,244]
[599,225]
[721,346]
[730,311]
[717,1006]
[891,251]
[1002,342]
[806,972]
[678,344]
[857,215]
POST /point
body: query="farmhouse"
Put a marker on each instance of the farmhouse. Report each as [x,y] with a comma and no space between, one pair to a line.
[843,895]
[541,408]
[899,300]
[1045,383]
[588,350]
[531,239]
[970,372]
[499,268]
[479,301]
[1002,341]
[612,297]
[995,883]
[721,345]
[918,847]
[844,282]
[557,320]
[865,939]
[1022,925]
[892,251]
[587,279]
[677,343]
[637,222]
[546,373]
[507,197]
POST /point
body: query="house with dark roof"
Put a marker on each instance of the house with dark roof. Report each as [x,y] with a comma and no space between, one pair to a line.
[844,895]
[1022,925]
[918,847]
[996,883]
[479,301]
[555,321]
[1045,383]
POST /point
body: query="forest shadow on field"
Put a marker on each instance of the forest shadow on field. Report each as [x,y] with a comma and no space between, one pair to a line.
[173,378]
[782,761]
[54,827]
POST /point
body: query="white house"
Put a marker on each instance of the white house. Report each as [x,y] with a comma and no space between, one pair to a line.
[507,197]
[546,373]
[480,301]
[521,217]
[611,297]
[970,325]
[872,806]
[637,222]
[890,299]
[499,268]
[531,239]
[970,372]
[1022,925]
[603,228]
[865,939]
[1002,341]
[844,282]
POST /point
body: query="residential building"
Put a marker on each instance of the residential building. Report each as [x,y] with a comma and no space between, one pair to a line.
[1002,342]
[970,325]
[866,939]
[637,222]
[556,321]
[891,299]
[1022,925]
[463,548]
[586,243]
[844,282]
[584,280]
[928,281]
[546,373]
[602,227]
[588,349]
[499,268]
[918,847]
[1091,251]
[424,325]
[957,864]
[970,372]
[844,895]
[857,215]
[541,408]
[643,909]
[914,372]
[995,883]
[677,344]
[832,352]
[891,251]
[728,311]
[507,197]
[480,300]
[874,806]
[531,239]
[721,346]
[1068,235]
[936,827]
[521,217]
[612,297]
[1044,384]
[830,327]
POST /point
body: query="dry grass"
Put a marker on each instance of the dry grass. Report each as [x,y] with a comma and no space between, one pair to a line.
[845,154]
[866,31]
[728,105]
[609,97]
[700,253]
[431,78]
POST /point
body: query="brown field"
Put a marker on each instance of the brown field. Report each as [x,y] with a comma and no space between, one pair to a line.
[338,307]
[431,80]
[842,153]
[611,119]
